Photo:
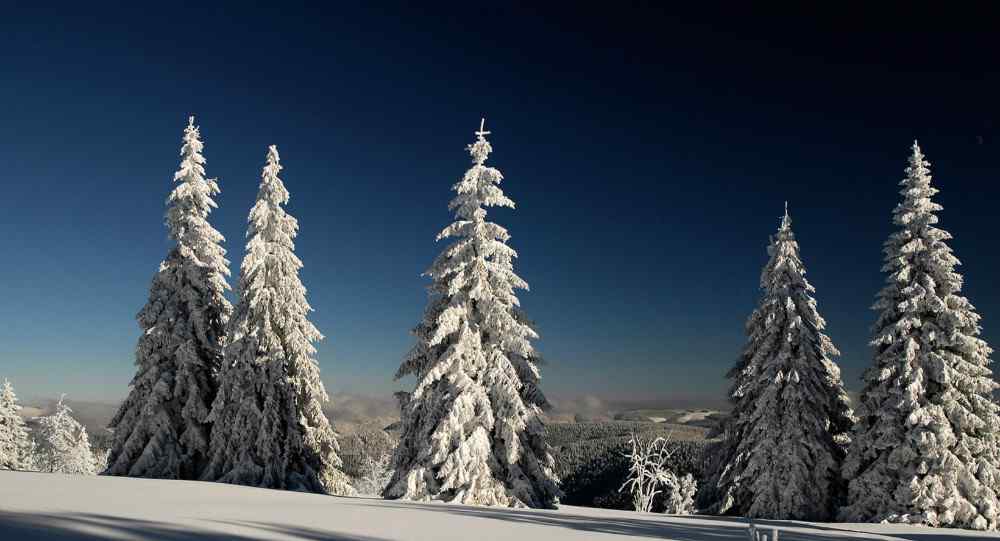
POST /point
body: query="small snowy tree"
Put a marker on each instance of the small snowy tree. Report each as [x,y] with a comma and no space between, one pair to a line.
[472,429]
[680,495]
[62,444]
[376,471]
[16,446]
[791,416]
[269,425]
[925,447]
[647,471]
[161,429]
[650,474]
[101,460]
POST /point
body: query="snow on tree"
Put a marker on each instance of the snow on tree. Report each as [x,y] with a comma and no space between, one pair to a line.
[924,450]
[269,425]
[16,446]
[791,416]
[650,474]
[647,471]
[472,429]
[100,457]
[161,429]
[376,471]
[62,444]
[680,497]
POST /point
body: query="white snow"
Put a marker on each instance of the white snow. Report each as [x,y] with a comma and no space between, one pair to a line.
[71,507]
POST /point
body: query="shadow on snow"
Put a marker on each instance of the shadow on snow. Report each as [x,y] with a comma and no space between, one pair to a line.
[93,527]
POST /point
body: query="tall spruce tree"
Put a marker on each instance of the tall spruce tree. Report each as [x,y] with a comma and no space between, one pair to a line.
[269,426]
[472,429]
[791,414]
[161,429]
[924,450]
[16,446]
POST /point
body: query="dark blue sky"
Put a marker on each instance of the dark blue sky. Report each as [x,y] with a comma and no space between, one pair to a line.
[649,152]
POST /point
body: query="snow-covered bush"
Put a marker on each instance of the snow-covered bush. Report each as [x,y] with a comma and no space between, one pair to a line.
[647,471]
[101,460]
[16,446]
[62,444]
[650,474]
[680,495]
[591,458]
[376,471]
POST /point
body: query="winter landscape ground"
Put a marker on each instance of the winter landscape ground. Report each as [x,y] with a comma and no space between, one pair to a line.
[55,507]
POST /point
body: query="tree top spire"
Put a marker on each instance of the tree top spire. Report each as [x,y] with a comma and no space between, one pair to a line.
[786,220]
[482,133]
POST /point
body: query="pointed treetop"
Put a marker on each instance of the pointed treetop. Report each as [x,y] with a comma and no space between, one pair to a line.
[918,155]
[786,220]
[482,133]
[191,121]
[481,149]
[272,154]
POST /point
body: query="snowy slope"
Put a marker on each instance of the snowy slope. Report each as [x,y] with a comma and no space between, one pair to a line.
[56,507]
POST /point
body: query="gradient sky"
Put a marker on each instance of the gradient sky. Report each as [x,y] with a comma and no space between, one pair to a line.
[649,151]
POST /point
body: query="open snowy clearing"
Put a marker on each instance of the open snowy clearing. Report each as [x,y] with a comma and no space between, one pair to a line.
[55,507]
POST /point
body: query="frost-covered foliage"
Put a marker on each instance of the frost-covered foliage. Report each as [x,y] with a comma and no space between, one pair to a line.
[590,458]
[367,457]
[269,426]
[16,446]
[101,460]
[680,496]
[62,444]
[161,429]
[376,471]
[791,416]
[647,470]
[925,448]
[650,473]
[472,429]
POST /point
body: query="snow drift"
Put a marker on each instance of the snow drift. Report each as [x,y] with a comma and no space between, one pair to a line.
[56,507]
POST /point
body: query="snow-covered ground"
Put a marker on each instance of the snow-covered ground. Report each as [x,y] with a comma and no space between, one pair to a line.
[55,507]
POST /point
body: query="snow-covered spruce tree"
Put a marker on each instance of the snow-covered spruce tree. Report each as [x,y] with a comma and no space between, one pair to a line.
[63,445]
[924,449]
[269,426]
[472,429]
[161,429]
[791,416]
[16,446]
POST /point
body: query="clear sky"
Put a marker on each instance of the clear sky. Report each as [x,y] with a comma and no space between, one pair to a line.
[649,151]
